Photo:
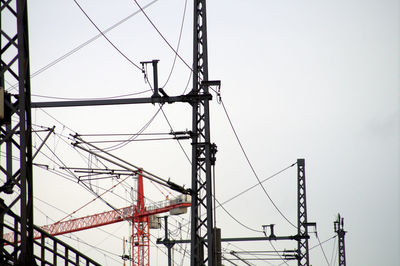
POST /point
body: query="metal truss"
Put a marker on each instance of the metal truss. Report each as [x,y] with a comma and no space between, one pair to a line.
[16,131]
[202,246]
[302,224]
[341,233]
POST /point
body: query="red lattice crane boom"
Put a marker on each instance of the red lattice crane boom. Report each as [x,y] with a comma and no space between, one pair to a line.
[139,215]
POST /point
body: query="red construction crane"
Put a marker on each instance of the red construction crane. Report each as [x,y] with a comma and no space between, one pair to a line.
[139,214]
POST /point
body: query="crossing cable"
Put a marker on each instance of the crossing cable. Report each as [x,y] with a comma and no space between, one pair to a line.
[251,229]
[323,252]
[168,122]
[279,255]
[251,166]
[333,251]
[145,126]
[262,181]
[246,190]
[109,41]
[178,45]
[58,209]
[323,242]
[82,45]
[77,238]
[162,36]
[91,201]
[82,183]
[126,165]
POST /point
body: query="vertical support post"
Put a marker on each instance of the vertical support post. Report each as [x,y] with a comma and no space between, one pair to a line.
[218,252]
[169,244]
[338,224]
[155,78]
[302,223]
[201,211]
[15,68]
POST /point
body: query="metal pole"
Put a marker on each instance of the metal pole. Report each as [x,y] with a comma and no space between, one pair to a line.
[302,223]
[338,224]
[202,245]
[15,66]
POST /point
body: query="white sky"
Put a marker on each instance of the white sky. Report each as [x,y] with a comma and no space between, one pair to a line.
[300,79]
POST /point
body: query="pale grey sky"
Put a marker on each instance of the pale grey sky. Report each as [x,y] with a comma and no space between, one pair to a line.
[300,79]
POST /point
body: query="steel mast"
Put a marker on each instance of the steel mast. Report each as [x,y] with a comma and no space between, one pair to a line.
[338,225]
[16,132]
[302,223]
[202,245]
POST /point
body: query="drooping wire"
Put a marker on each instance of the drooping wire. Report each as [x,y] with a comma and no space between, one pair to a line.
[279,255]
[93,246]
[91,201]
[101,98]
[169,123]
[333,251]
[323,251]
[236,220]
[145,126]
[162,36]
[252,168]
[177,46]
[108,40]
[319,244]
[262,181]
[90,40]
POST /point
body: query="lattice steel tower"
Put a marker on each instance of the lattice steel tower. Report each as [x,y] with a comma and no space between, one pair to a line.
[302,223]
[202,246]
[338,224]
[16,131]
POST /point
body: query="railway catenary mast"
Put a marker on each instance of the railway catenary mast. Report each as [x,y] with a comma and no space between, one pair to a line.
[201,225]
[16,132]
[338,226]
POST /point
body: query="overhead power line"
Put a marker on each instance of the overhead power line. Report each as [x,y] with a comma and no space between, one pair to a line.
[252,168]
[162,36]
[108,40]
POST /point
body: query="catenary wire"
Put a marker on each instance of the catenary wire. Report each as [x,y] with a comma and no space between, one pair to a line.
[333,250]
[177,46]
[323,251]
[88,99]
[251,166]
[315,246]
[236,220]
[92,245]
[162,36]
[82,45]
[272,245]
[108,40]
[262,181]
[145,126]
[90,40]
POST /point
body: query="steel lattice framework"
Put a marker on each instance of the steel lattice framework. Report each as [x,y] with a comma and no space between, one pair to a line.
[341,233]
[302,247]
[16,129]
[202,216]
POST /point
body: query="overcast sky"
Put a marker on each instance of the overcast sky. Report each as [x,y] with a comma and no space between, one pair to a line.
[300,79]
